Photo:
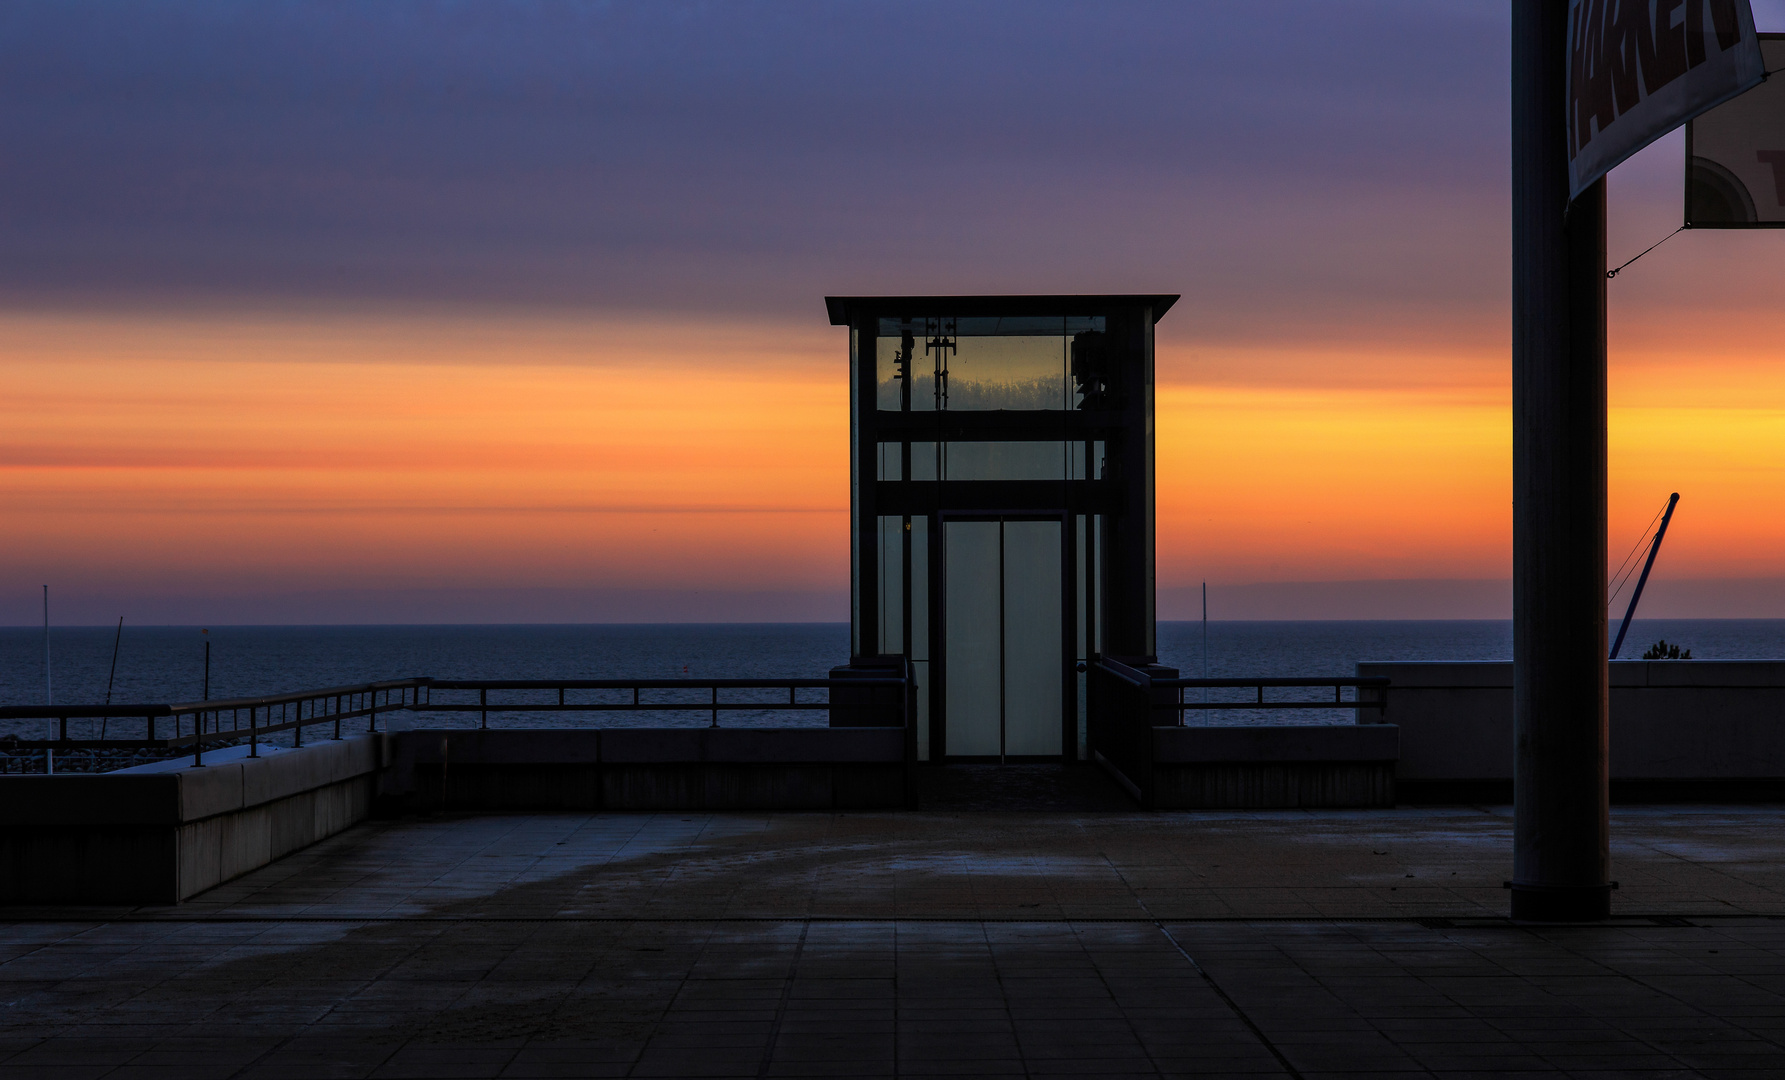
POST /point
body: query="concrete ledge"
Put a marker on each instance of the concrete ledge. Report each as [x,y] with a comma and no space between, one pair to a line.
[159,834]
[1276,767]
[809,746]
[88,799]
[157,837]
[1673,722]
[429,747]
[1277,744]
[648,769]
[1274,785]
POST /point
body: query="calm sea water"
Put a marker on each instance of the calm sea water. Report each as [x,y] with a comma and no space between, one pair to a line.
[167,663]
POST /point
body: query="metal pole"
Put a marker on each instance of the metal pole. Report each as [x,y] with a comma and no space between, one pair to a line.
[1648,564]
[1561,828]
[113,677]
[49,697]
[1205,645]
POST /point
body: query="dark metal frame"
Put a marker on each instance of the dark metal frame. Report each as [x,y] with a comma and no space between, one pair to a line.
[1120,584]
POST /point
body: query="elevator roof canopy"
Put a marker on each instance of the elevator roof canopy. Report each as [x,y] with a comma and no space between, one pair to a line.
[848,310]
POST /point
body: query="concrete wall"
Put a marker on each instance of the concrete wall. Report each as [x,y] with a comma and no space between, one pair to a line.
[157,837]
[649,769]
[1278,766]
[1274,766]
[1675,725]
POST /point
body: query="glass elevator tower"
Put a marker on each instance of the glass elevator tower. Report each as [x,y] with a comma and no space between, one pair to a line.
[1001,498]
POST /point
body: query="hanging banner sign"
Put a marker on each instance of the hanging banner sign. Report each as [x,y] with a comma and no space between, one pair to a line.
[1735,155]
[1637,69]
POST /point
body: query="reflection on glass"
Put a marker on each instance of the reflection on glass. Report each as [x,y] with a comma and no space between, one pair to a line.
[1005,461]
[920,589]
[892,585]
[908,356]
[886,375]
[1033,638]
[1028,364]
[888,462]
[1007,373]
[920,629]
[975,653]
[1082,555]
[925,464]
[967,460]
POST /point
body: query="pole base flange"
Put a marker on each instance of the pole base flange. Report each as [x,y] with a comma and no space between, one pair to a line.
[1561,903]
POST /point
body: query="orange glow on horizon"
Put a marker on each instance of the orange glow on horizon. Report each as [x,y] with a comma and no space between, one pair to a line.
[342,450]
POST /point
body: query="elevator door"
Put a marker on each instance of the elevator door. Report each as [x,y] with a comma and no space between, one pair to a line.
[1003,638]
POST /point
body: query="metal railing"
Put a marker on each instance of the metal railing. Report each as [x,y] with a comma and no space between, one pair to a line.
[1338,683]
[1177,704]
[712,705]
[230,720]
[197,724]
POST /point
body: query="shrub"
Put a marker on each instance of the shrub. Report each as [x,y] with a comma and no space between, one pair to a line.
[1661,650]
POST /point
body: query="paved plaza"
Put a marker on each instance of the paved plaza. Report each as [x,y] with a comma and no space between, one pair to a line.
[968,942]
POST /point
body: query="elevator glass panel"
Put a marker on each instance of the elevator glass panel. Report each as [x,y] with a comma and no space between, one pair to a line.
[1034,636]
[972,611]
[1005,638]
[919,621]
[922,364]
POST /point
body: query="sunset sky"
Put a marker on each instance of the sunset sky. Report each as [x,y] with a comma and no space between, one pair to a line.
[513,311]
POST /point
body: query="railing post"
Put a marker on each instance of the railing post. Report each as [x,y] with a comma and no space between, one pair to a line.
[198,740]
[297,733]
[483,701]
[254,731]
[337,716]
[372,712]
[715,706]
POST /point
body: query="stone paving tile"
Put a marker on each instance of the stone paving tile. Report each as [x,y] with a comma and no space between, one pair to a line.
[474,968]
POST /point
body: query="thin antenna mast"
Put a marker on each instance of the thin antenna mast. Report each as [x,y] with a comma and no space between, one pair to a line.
[113,677]
[1654,549]
[49,696]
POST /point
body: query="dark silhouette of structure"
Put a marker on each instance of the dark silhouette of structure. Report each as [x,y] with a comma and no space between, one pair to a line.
[1561,854]
[1002,519]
